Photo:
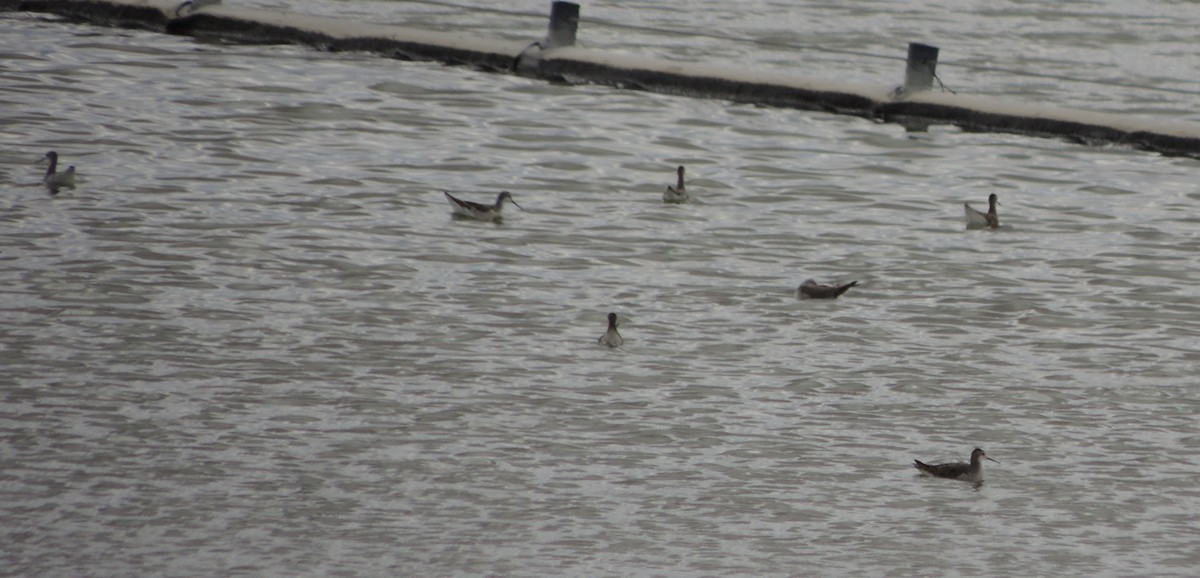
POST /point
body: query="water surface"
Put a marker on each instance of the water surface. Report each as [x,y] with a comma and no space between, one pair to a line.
[253,341]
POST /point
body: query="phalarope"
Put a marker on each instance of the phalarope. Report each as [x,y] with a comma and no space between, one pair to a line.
[677,194]
[480,211]
[972,472]
[54,179]
[611,338]
[979,220]
[812,290]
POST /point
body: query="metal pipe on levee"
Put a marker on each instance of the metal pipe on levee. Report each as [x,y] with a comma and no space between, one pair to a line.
[920,67]
[564,23]
[556,57]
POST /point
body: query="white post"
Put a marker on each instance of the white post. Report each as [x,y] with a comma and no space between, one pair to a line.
[922,66]
[564,21]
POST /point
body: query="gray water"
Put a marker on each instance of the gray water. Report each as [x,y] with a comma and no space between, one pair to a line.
[252,340]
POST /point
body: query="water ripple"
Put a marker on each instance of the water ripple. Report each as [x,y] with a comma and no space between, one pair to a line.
[253,339]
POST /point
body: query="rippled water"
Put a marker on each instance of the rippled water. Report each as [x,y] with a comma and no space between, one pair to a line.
[252,341]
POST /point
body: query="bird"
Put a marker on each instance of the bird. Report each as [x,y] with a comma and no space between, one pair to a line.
[480,211]
[54,179]
[979,220]
[972,472]
[611,338]
[810,289]
[678,194]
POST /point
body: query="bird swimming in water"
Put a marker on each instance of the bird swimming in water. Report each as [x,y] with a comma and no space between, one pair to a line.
[810,289]
[979,220]
[678,194]
[972,472]
[480,211]
[611,338]
[55,180]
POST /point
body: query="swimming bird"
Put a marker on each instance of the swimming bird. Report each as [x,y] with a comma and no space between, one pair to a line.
[979,220]
[810,289]
[972,472]
[54,179]
[611,338]
[480,211]
[677,194]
